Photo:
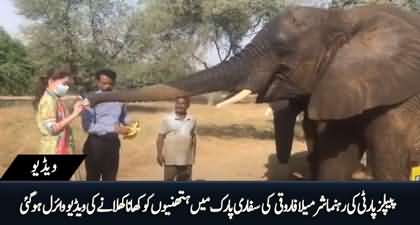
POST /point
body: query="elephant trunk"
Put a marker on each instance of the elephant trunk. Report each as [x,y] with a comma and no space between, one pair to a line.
[224,76]
[249,69]
[284,116]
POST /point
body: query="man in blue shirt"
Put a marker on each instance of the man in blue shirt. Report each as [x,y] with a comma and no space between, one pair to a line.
[103,123]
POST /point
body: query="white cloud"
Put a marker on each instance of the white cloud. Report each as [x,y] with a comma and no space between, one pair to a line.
[9,19]
[315,3]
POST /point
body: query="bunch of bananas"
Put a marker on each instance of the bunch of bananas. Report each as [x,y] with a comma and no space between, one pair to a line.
[134,129]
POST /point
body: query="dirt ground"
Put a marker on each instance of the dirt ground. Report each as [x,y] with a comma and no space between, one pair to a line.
[234,143]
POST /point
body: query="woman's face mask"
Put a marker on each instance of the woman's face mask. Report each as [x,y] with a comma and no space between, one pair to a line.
[61,89]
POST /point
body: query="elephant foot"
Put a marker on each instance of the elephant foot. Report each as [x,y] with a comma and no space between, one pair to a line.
[286,174]
[283,171]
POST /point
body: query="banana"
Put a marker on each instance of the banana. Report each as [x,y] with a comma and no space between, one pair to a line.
[134,129]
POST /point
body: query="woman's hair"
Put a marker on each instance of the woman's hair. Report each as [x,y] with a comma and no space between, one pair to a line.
[53,74]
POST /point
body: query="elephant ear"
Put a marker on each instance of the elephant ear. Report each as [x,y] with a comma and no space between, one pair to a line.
[378,66]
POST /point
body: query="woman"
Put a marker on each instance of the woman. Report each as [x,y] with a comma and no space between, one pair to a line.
[52,117]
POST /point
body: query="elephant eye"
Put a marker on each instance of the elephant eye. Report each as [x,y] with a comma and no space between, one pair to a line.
[281,76]
[295,21]
[282,72]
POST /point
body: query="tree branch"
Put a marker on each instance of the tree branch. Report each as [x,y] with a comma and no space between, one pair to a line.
[219,54]
[198,59]
[68,38]
[93,26]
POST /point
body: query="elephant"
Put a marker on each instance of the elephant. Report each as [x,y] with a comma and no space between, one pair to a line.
[284,114]
[355,73]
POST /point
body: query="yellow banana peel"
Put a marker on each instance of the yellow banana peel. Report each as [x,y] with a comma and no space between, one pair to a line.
[134,129]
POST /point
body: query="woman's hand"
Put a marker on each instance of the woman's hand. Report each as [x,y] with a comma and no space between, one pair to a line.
[78,107]
[85,102]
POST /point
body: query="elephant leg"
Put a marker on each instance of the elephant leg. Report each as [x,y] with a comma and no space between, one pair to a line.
[336,154]
[389,144]
[309,129]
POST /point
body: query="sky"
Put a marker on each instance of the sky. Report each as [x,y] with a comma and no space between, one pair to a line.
[9,19]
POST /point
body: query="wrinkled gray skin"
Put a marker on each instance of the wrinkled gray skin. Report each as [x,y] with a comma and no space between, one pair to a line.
[358,69]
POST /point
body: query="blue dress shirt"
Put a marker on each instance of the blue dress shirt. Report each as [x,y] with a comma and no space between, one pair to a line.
[102,118]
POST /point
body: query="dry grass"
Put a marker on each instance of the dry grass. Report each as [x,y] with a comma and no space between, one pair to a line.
[235,143]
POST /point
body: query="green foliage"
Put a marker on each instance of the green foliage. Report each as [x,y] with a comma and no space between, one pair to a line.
[145,41]
[176,34]
[89,34]
[223,24]
[151,41]
[15,70]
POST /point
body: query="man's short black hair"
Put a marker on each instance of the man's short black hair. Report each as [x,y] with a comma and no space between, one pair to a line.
[107,72]
[186,98]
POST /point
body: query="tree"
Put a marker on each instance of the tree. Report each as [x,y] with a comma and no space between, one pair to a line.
[85,33]
[148,42]
[222,24]
[409,4]
[16,72]
[189,28]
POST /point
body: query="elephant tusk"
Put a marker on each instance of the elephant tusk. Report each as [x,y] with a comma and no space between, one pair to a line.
[236,98]
[268,112]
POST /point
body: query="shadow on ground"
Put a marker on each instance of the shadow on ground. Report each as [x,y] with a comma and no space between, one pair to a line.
[235,131]
[297,163]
